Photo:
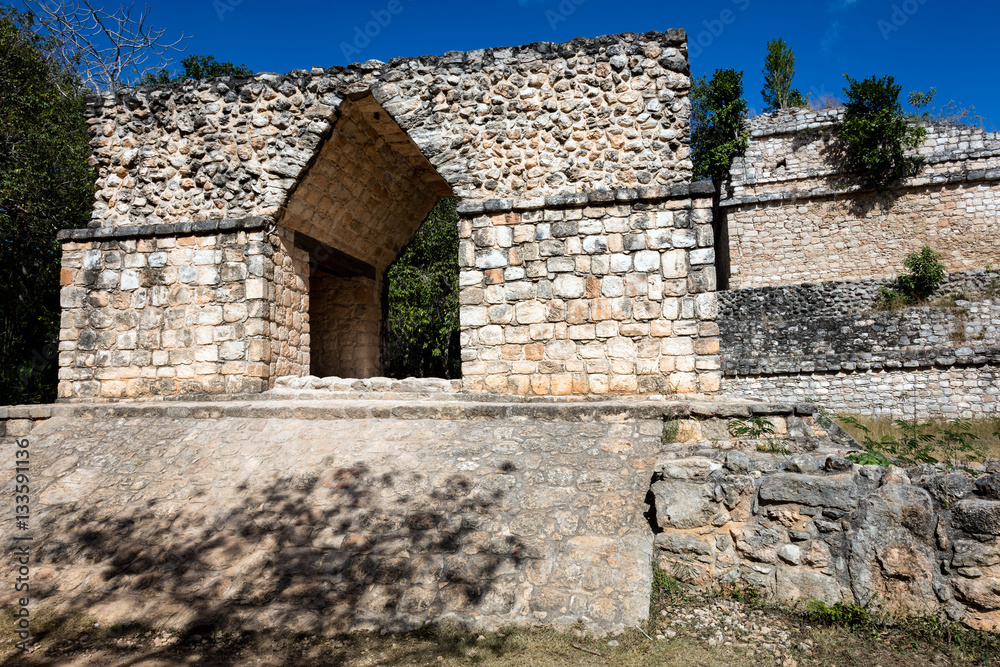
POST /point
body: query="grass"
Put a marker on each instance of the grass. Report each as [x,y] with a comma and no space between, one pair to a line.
[830,636]
[983,430]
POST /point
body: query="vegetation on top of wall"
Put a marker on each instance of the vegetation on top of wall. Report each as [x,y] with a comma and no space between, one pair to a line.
[717,114]
[779,70]
[196,67]
[876,133]
[423,324]
[45,185]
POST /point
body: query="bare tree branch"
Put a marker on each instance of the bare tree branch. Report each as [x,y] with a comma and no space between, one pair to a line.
[109,49]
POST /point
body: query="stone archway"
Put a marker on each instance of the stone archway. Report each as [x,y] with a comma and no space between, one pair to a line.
[363,197]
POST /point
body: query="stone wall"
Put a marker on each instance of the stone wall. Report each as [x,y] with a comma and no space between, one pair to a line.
[791,219]
[288,299]
[320,515]
[346,326]
[920,542]
[182,313]
[592,299]
[529,121]
[824,342]
[948,392]
[347,162]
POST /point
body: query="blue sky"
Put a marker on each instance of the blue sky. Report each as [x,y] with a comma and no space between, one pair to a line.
[923,43]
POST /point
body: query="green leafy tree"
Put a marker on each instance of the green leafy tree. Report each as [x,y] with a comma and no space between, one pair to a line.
[876,133]
[197,67]
[423,324]
[779,70]
[45,185]
[926,273]
[717,114]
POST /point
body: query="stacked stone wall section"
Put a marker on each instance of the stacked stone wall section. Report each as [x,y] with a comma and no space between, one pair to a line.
[615,298]
[792,216]
[531,121]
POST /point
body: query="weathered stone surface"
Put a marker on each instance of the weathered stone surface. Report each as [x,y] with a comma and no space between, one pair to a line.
[989,486]
[683,505]
[836,491]
[757,543]
[788,166]
[795,584]
[344,523]
[978,516]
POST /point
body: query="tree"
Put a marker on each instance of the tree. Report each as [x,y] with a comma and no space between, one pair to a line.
[876,133]
[423,323]
[45,185]
[197,67]
[779,70]
[717,133]
[109,50]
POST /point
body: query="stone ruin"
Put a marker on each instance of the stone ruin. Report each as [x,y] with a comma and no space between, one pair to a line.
[233,276]
[243,227]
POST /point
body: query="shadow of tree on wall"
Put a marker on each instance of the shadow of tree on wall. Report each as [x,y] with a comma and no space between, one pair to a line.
[833,154]
[350,548]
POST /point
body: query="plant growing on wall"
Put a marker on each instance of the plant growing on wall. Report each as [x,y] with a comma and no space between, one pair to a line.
[925,274]
[717,133]
[779,70]
[875,132]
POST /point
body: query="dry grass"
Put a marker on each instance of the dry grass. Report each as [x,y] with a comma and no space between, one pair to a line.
[75,642]
[984,431]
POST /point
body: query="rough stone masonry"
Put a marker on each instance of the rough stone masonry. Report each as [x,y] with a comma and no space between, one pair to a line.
[242,228]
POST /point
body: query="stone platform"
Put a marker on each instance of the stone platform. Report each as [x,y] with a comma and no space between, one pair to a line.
[363,510]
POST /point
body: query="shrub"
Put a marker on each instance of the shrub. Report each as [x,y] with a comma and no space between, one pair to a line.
[876,133]
[926,273]
[849,614]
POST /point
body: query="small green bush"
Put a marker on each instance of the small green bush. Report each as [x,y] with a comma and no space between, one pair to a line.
[849,614]
[751,428]
[926,273]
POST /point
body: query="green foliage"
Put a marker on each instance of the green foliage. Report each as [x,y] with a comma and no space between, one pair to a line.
[926,273]
[756,428]
[848,614]
[951,113]
[919,444]
[717,113]
[45,185]
[423,325]
[671,428]
[876,133]
[196,67]
[890,299]
[744,591]
[666,589]
[750,428]
[779,70]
